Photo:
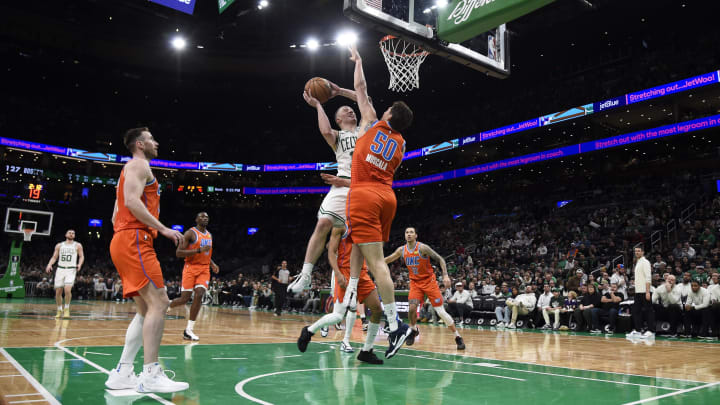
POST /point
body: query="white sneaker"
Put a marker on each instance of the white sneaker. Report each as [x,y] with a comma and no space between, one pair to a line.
[633,334]
[346,348]
[122,377]
[500,325]
[301,283]
[511,326]
[189,335]
[647,335]
[156,380]
[324,331]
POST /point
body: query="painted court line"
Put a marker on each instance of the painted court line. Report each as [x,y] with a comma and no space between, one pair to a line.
[497,367]
[44,392]
[90,372]
[229,358]
[26,401]
[170,358]
[11,375]
[291,355]
[239,387]
[22,395]
[672,394]
[102,354]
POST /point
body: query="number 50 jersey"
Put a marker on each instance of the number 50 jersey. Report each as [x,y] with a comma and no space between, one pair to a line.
[377,155]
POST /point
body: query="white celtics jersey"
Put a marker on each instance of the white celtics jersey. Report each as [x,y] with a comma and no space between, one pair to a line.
[68,256]
[344,150]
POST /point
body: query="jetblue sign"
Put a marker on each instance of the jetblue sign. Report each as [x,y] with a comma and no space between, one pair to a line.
[608,104]
[185,6]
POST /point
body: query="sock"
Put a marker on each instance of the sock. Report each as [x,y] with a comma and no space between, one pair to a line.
[457,333]
[353,283]
[371,334]
[349,322]
[147,368]
[60,308]
[307,268]
[67,306]
[190,325]
[133,340]
[391,315]
[329,319]
[351,289]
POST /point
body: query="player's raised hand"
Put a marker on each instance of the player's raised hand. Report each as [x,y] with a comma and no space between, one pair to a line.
[312,101]
[174,236]
[334,89]
[354,55]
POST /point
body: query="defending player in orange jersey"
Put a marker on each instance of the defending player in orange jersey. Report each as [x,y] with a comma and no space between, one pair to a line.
[196,273]
[366,293]
[136,224]
[371,201]
[416,257]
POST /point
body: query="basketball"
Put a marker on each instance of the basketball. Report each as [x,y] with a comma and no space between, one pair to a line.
[318,88]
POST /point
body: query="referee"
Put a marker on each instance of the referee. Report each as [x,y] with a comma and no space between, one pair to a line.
[642,307]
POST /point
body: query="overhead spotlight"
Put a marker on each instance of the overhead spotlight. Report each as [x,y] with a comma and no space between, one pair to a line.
[346,38]
[263,4]
[441,3]
[312,44]
[178,43]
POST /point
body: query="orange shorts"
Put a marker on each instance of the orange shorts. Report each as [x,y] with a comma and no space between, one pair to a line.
[133,255]
[365,287]
[195,276]
[370,212]
[418,291]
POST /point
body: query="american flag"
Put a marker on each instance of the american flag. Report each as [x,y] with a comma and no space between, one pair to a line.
[374,3]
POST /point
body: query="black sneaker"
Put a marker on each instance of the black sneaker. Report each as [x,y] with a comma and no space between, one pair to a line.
[460,343]
[397,339]
[411,339]
[369,357]
[304,339]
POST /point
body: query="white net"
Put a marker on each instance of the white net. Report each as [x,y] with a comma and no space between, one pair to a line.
[403,60]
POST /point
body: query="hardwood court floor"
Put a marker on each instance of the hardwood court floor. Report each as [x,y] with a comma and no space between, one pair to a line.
[251,357]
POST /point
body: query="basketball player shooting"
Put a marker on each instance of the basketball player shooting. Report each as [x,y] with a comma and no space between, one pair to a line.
[371,201]
[332,210]
[196,272]
[416,257]
[70,258]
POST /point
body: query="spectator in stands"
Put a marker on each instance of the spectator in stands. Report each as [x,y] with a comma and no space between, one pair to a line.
[707,238]
[685,286]
[666,302]
[117,291]
[714,292]
[44,288]
[497,293]
[697,312]
[570,305]
[620,278]
[642,301]
[543,305]
[574,282]
[460,304]
[99,288]
[524,304]
[609,307]
[471,290]
[688,251]
[583,316]
[488,286]
[678,251]
[313,300]
[503,313]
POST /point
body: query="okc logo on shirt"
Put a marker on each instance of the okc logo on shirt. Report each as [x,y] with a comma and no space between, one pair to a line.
[206,242]
[412,261]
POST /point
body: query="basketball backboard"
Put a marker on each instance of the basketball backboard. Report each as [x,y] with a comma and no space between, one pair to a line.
[17,220]
[416,21]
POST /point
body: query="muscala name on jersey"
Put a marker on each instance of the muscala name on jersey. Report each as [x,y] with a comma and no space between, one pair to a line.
[376,161]
[347,143]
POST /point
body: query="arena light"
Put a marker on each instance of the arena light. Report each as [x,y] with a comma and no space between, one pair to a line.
[441,3]
[312,44]
[346,38]
[178,43]
[263,4]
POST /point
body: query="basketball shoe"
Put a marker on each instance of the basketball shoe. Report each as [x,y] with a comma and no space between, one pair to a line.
[189,335]
[369,357]
[346,348]
[397,339]
[122,377]
[304,339]
[154,379]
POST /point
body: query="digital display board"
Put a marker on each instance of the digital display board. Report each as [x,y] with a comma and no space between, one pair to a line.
[95,223]
[561,204]
[185,6]
[252,231]
[178,228]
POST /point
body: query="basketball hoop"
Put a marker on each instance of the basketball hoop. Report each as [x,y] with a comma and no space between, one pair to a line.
[403,59]
[27,234]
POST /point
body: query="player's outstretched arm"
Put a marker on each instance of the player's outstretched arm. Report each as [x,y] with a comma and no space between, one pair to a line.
[326,130]
[394,256]
[53,259]
[189,237]
[137,174]
[215,268]
[81,256]
[336,90]
[428,251]
[367,111]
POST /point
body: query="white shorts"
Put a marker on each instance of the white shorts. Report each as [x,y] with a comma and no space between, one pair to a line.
[64,277]
[333,206]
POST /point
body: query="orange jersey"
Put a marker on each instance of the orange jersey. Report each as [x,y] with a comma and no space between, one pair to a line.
[150,197]
[201,239]
[377,155]
[419,267]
